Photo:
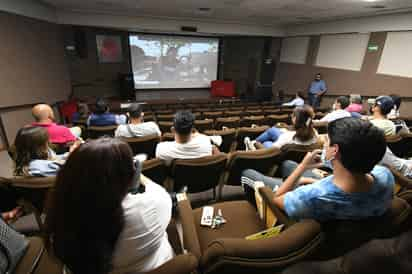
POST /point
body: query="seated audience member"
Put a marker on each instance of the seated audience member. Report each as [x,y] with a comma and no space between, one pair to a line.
[397,100]
[338,110]
[403,166]
[355,104]
[297,102]
[33,156]
[383,105]
[82,113]
[104,216]
[13,247]
[102,116]
[136,126]
[358,187]
[188,144]
[303,132]
[44,116]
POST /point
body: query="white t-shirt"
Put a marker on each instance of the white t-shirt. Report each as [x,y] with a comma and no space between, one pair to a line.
[143,244]
[401,165]
[198,146]
[335,115]
[286,138]
[138,130]
[298,102]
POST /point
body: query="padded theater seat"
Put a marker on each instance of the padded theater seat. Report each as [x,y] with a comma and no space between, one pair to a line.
[225,249]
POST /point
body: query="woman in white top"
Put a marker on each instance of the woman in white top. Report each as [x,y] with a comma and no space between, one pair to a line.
[100,219]
[303,132]
[297,102]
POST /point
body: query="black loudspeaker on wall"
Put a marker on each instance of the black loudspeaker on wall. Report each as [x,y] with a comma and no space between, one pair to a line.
[80,42]
[126,86]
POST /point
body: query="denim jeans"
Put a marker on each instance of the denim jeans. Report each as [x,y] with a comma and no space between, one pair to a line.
[268,137]
[314,100]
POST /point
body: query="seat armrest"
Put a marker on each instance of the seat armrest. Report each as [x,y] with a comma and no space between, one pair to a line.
[268,197]
[295,243]
[181,264]
[190,237]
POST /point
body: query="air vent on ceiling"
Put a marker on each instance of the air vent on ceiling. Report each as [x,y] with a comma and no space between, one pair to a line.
[304,18]
[204,9]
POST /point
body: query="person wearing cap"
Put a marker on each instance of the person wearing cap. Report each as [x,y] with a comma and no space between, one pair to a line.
[382,107]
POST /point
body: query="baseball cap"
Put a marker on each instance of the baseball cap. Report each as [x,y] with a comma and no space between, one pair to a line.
[385,103]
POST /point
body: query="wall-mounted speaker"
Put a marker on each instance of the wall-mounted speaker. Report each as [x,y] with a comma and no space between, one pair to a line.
[80,42]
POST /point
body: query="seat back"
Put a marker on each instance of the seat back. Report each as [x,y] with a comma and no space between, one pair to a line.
[228,138]
[212,114]
[342,236]
[202,125]
[156,170]
[278,118]
[33,193]
[251,132]
[165,117]
[165,126]
[262,160]
[248,121]
[296,152]
[94,132]
[322,128]
[199,174]
[401,144]
[146,144]
[229,122]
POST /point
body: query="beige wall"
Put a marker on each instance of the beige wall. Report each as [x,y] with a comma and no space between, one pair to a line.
[33,67]
[367,82]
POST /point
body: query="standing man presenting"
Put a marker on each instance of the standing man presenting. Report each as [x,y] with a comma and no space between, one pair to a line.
[316,90]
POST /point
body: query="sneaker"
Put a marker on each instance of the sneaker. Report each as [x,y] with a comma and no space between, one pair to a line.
[249,145]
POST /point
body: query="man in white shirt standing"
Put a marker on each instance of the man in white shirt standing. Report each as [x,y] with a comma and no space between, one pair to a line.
[338,112]
[188,144]
[297,102]
[136,127]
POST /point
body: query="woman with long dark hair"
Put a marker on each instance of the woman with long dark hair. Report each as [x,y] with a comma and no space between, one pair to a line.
[96,224]
[32,155]
[303,132]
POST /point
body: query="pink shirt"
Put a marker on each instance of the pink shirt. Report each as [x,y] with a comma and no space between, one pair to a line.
[57,134]
[354,108]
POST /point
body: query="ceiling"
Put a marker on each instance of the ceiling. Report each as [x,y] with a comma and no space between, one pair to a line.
[259,12]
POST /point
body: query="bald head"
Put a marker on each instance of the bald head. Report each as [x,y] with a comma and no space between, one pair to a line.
[43,113]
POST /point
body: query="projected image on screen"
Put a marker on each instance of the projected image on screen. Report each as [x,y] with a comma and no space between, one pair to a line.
[161,62]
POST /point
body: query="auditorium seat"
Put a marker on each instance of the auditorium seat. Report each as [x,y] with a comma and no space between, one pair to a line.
[32,193]
[225,249]
[156,170]
[273,119]
[165,117]
[251,132]
[262,160]
[212,114]
[229,122]
[253,112]
[297,152]
[248,121]
[146,144]
[165,126]
[198,174]
[400,144]
[94,132]
[234,113]
[202,125]
[228,138]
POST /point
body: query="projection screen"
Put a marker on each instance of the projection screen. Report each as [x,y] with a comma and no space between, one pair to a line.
[173,62]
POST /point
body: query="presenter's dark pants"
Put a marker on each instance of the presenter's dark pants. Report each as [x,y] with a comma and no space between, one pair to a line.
[314,100]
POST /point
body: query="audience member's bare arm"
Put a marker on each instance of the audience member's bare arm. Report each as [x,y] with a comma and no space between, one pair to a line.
[311,160]
[215,150]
